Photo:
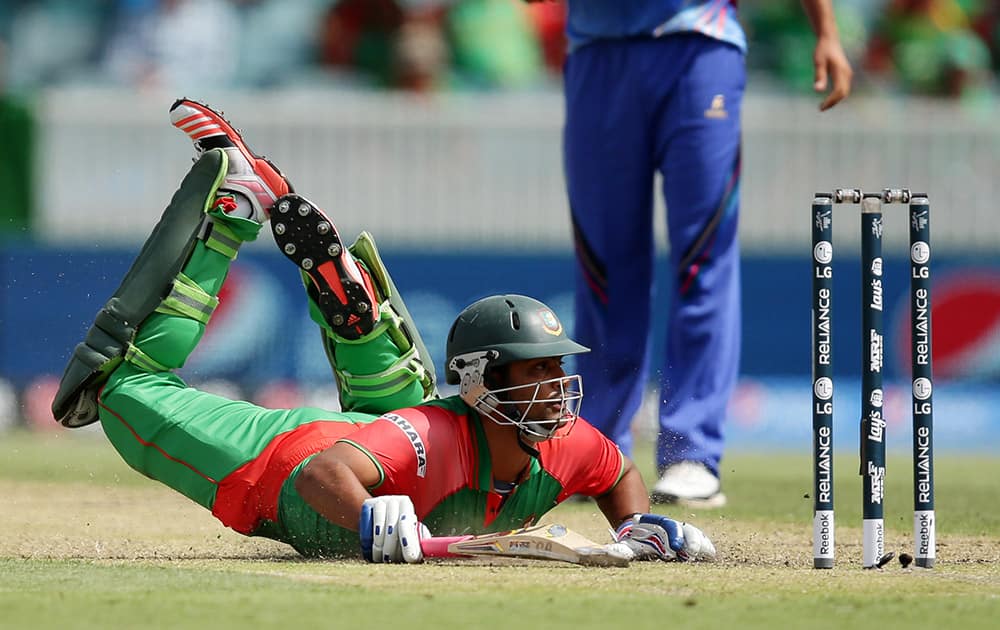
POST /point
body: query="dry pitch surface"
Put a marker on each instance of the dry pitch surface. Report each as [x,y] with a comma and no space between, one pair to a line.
[79,529]
[84,521]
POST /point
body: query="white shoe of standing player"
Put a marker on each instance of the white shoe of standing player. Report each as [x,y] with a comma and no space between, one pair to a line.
[690,484]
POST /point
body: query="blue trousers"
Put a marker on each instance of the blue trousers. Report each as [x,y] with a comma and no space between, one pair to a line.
[635,107]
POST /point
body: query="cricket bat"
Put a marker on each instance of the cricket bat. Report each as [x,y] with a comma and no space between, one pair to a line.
[539,542]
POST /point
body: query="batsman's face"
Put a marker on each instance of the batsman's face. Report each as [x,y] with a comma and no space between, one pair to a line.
[537,387]
[535,395]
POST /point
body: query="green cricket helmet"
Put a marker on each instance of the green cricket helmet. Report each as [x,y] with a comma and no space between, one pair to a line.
[498,330]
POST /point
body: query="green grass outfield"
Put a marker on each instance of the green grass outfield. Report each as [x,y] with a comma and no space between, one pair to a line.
[87,543]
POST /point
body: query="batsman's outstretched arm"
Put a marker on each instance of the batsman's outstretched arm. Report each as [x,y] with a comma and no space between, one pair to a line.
[334,484]
[628,497]
[642,536]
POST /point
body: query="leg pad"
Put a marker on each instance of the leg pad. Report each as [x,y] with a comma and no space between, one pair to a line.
[148,281]
[400,325]
[389,367]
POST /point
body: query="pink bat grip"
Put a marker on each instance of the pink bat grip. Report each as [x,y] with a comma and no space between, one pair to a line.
[437,546]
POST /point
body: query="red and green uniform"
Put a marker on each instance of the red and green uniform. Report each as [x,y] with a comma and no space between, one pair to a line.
[437,454]
[240,460]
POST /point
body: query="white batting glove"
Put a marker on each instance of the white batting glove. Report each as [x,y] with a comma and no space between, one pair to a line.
[390,531]
[656,537]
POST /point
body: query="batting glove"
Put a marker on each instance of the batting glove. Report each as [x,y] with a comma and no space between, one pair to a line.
[656,537]
[390,531]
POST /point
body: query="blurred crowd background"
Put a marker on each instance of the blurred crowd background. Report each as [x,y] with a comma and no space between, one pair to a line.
[946,50]
[936,47]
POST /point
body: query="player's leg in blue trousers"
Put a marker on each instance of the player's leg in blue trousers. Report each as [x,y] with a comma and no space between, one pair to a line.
[700,162]
[629,113]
